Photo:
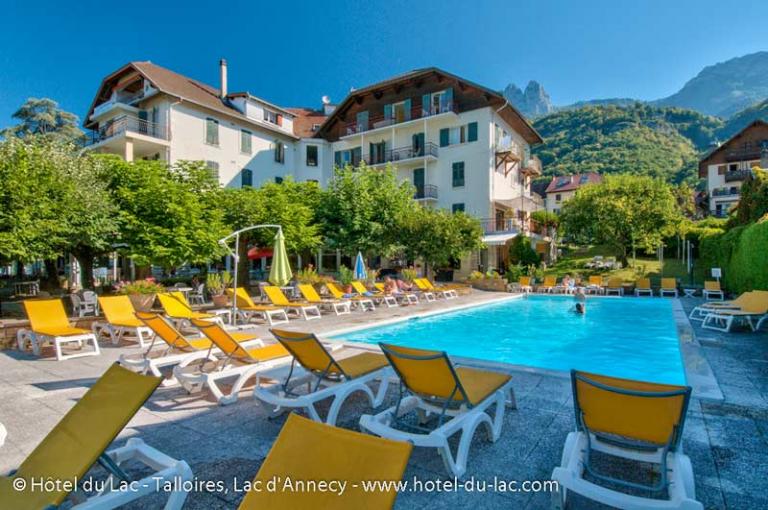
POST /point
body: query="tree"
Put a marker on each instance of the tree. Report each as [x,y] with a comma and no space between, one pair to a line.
[43,117]
[521,252]
[550,221]
[439,237]
[169,216]
[753,203]
[624,212]
[362,210]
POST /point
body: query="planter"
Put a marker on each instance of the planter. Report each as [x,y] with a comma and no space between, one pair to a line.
[142,302]
[220,301]
[490,284]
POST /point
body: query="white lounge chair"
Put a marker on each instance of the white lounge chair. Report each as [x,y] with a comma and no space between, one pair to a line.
[361,303]
[378,296]
[712,290]
[700,312]
[302,309]
[49,323]
[339,306]
[121,321]
[754,307]
[247,310]
[459,398]
[324,377]
[668,287]
[643,287]
[614,286]
[633,420]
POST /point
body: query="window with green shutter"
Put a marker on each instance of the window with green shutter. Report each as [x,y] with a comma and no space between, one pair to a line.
[211,131]
[444,133]
[458,174]
[472,132]
[246,177]
[245,141]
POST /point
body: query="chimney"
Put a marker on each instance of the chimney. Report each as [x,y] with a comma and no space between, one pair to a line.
[223,73]
[328,108]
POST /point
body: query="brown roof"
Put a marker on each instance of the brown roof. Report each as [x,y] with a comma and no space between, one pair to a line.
[572,182]
[716,156]
[305,119]
[180,86]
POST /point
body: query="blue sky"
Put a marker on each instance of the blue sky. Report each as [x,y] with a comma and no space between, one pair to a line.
[292,53]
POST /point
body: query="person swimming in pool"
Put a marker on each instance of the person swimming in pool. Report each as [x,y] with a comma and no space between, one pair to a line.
[581,301]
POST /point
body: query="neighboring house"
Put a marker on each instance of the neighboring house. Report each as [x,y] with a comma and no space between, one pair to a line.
[561,188]
[729,165]
[462,145]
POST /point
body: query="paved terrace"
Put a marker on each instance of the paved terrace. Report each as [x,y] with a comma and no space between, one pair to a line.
[727,441]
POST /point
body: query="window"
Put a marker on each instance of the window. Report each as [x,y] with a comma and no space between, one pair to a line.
[458,174]
[273,117]
[311,155]
[437,102]
[721,170]
[211,131]
[401,111]
[457,207]
[558,197]
[278,180]
[279,152]
[556,211]
[213,169]
[458,134]
[348,157]
[377,153]
[246,177]
[245,141]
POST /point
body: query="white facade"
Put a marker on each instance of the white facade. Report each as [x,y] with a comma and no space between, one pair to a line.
[724,185]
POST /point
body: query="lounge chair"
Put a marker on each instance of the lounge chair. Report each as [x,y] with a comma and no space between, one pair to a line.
[614,286]
[339,306]
[525,284]
[234,360]
[449,291]
[701,311]
[643,287]
[549,284]
[80,440]
[324,376]
[637,421]
[303,309]
[177,350]
[668,287]
[362,303]
[595,285]
[247,309]
[427,288]
[121,321]
[305,450]
[377,296]
[401,296]
[458,396]
[755,306]
[712,290]
[49,323]
[178,309]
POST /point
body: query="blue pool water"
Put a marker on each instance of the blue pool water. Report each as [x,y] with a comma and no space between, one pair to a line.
[632,338]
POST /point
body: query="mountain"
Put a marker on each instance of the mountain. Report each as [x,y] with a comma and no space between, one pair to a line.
[533,102]
[742,119]
[725,88]
[612,101]
[639,139]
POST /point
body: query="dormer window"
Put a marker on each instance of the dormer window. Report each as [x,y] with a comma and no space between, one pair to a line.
[273,117]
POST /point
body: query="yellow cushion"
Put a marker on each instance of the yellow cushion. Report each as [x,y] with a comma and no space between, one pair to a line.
[46,314]
[480,384]
[119,311]
[362,364]
[62,331]
[268,352]
[306,450]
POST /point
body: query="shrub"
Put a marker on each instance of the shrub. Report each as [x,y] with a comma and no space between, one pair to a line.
[139,287]
[521,251]
[346,275]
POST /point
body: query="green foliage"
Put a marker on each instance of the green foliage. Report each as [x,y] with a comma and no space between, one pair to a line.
[753,203]
[44,118]
[143,287]
[639,139]
[217,283]
[546,218]
[514,272]
[742,119]
[409,275]
[742,253]
[624,212]
[438,236]
[363,208]
[308,276]
[521,251]
[346,275]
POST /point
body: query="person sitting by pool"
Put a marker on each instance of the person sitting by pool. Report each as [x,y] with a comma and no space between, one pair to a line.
[404,286]
[581,301]
[390,286]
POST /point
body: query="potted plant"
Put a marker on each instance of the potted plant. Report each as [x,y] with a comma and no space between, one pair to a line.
[217,284]
[346,276]
[141,293]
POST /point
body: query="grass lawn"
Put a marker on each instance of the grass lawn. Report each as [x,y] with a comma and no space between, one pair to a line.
[574,261]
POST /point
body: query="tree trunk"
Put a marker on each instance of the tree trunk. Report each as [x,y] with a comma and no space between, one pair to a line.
[51,275]
[85,259]
[243,276]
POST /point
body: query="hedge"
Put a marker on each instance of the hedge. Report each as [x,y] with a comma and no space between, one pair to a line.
[742,253]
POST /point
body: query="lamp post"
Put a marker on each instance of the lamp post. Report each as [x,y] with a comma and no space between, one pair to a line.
[236,258]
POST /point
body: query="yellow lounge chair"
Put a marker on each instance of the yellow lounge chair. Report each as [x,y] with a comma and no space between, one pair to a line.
[121,321]
[668,286]
[363,303]
[712,290]
[634,420]
[178,309]
[80,440]
[233,360]
[178,349]
[550,282]
[525,283]
[378,296]
[701,311]
[643,287]
[614,286]
[595,285]
[404,297]
[305,450]
[339,306]
[247,309]
[755,305]
[302,309]
[459,396]
[325,376]
[49,323]
[447,291]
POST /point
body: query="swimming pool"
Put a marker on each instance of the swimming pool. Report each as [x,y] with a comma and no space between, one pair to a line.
[634,338]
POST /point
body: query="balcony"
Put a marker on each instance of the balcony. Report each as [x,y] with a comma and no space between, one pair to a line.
[726,192]
[738,175]
[122,101]
[745,154]
[124,124]
[403,154]
[510,226]
[532,166]
[379,121]
[427,192]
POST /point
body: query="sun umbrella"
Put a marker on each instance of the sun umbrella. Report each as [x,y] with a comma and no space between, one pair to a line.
[280,273]
[360,273]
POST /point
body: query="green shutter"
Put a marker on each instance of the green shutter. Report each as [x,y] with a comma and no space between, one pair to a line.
[472,134]
[337,158]
[447,105]
[444,137]
[425,106]
[387,111]
[408,109]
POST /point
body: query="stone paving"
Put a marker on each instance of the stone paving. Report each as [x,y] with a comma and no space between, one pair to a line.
[727,441]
